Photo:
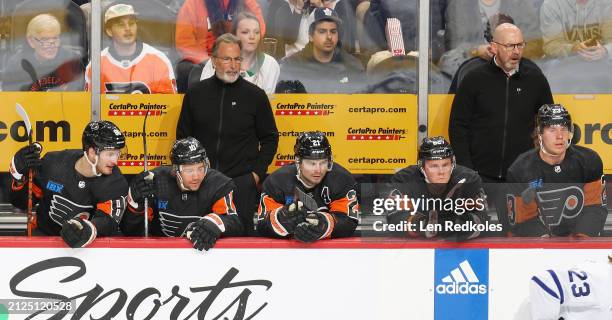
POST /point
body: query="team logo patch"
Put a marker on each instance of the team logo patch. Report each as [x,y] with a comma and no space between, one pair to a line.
[81,184]
[54,186]
[557,204]
[162,204]
[289,199]
[174,225]
[62,209]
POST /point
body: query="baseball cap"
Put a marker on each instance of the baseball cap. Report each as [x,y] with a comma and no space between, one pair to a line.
[118,10]
[326,14]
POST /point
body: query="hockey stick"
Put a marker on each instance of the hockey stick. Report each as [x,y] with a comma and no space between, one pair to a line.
[26,120]
[146,169]
[29,69]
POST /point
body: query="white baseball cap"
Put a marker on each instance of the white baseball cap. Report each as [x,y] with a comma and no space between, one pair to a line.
[118,10]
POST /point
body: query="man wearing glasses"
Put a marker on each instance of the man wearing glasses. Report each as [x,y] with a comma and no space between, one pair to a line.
[44,65]
[187,200]
[492,115]
[80,193]
[233,120]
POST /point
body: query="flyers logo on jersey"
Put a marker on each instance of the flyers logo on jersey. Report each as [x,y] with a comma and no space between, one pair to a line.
[560,203]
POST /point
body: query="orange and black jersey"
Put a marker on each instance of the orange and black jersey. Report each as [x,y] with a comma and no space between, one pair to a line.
[464,183]
[174,210]
[147,71]
[568,198]
[336,198]
[62,193]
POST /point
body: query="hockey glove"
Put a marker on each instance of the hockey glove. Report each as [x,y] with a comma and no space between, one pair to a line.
[78,233]
[290,216]
[312,229]
[27,158]
[203,234]
[143,186]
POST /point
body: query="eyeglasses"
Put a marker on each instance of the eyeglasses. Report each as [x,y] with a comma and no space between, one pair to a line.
[512,46]
[228,60]
[47,42]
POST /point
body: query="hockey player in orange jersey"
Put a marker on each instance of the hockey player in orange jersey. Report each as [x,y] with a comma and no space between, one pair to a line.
[129,65]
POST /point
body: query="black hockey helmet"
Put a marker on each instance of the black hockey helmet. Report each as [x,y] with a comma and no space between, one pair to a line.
[187,151]
[553,114]
[435,148]
[102,135]
[312,145]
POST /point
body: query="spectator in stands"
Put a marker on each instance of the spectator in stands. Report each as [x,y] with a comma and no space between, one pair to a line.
[492,115]
[199,23]
[406,11]
[577,27]
[578,37]
[467,40]
[129,65]
[45,65]
[233,120]
[256,67]
[322,67]
[288,23]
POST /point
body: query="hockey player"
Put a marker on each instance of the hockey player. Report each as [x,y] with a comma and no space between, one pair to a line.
[80,193]
[557,188]
[580,293]
[436,191]
[189,199]
[311,200]
[129,65]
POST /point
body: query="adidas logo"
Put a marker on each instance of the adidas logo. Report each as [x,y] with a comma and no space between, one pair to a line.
[462,280]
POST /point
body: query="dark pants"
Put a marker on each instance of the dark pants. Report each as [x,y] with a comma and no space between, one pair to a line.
[245,199]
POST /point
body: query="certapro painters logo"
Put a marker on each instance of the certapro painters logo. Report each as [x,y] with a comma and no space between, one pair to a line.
[307,109]
[375,134]
[131,110]
[461,281]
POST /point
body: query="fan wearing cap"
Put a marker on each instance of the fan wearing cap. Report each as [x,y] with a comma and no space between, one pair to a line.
[434,179]
[313,199]
[556,189]
[322,66]
[188,199]
[80,193]
[129,65]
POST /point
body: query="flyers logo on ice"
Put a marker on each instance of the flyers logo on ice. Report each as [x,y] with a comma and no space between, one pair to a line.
[461,280]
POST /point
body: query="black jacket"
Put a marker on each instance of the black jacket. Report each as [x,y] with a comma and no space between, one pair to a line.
[343,74]
[234,122]
[493,117]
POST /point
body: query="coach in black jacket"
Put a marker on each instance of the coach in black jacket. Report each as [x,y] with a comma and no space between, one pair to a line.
[493,114]
[233,120]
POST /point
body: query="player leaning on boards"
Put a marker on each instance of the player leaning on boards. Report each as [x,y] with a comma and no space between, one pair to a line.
[580,293]
[81,193]
[314,199]
[188,199]
[437,177]
[557,188]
